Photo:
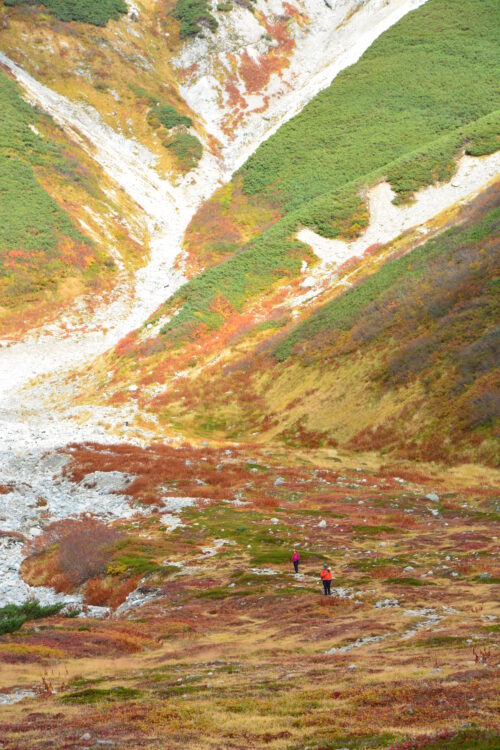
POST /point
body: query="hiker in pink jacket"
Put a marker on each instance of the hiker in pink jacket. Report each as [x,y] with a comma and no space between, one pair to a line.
[296,560]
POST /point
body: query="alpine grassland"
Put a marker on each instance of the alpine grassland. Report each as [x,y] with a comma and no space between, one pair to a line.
[423,93]
[96,12]
[409,352]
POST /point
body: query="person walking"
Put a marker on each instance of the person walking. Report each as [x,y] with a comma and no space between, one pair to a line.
[326,577]
[296,560]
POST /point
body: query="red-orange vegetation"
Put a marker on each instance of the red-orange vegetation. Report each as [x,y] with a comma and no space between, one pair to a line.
[373,249]
[126,345]
[108,592]
[70,552]
[184,74]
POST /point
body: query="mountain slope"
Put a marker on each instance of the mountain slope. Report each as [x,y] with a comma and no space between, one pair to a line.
[400,113]
[311,173]
[58,234]
[405,361]
[315,385]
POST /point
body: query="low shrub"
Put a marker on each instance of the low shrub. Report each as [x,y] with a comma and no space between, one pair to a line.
[167,115]
[13,616]
[194,15]
[101,695]
[187,149]
[95,12]
[408,581]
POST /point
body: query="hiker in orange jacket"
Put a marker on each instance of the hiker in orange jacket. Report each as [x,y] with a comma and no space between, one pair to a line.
[326,577]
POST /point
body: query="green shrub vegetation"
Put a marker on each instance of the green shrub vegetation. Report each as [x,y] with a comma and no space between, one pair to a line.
[13,616]
[422,92]
[194,15]
[408,581]
[187,149]
[375,297]
[472,739]
[95,12]
[35,232]
[247,274]
[167,115]
[373,530]
[400,111]
[102,695]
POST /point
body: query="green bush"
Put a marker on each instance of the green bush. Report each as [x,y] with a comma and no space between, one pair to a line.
[101,695]
[187,149]
[193,15]
[167,115]
[95,12]
[13,616]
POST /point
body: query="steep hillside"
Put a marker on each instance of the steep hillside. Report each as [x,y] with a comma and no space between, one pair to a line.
[93,52]
[249,289]
[59,232]
[314,172]
[405,361]
[225,70]
[400,113]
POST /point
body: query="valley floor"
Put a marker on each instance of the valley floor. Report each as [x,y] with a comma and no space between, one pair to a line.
[221,645]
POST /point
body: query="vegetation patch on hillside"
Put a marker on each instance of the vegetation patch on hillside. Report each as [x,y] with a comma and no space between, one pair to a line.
[403,100]
[168,116]
[39,243]
[96,12]
[101,695]
[13,616]
[194,16]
